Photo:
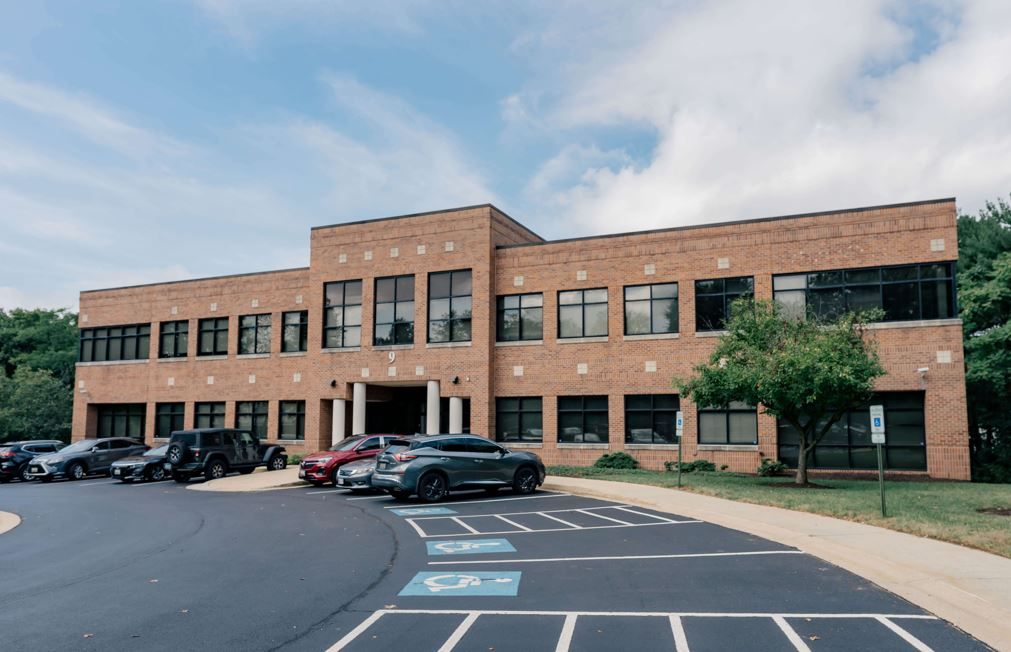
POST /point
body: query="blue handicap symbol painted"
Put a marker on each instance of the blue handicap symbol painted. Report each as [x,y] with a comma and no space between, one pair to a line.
[877,422]
[469,583]
[422,511]
[469,547]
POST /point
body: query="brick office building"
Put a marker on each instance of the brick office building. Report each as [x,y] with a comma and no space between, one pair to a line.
[465,320]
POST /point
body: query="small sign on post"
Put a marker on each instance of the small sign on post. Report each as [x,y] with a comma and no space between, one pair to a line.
[679,425]
[878,439]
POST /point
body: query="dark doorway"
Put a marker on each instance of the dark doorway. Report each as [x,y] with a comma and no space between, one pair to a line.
[395,410]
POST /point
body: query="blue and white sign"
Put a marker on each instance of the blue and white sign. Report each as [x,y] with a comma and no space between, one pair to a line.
[469,547]
[877,424]
[423,511]
[470,583]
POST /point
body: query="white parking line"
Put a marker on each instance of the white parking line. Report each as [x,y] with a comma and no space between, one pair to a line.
[691,555]
[906,636]
[326,491]
[95,482]
[568,628]
[458,633]
[791,635]
[606,518]
[555,518]
[368,497]
[678,629]
[464,525]
[492,500]
[512,523]
[560,529]
[356,632]
[632,511]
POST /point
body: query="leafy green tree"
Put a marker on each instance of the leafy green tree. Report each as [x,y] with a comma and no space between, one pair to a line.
[34,404]
[806,372]
[39,339]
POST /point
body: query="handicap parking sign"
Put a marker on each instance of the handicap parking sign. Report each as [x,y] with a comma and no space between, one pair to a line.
[469,547]
[423,511]
[470,583]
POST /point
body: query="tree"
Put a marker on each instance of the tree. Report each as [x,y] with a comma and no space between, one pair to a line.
[806,372]
[39,339]
[34,404]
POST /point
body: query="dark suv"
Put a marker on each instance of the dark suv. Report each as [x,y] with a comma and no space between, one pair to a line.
[214,452]
[15,455]
[83,457]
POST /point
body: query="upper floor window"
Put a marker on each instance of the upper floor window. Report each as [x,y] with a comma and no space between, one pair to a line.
[651,309]
[173,339]
[115,343]
[905,293]
[582,419]
[651,418]
[449,306]
[394,320]
[342,317]
[714,297]
[520,317]
[254,334]
[736,423]
[296,331]
[212,336]
[582,313]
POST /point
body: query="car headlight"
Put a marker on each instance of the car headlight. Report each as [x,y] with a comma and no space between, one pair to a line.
[322,460]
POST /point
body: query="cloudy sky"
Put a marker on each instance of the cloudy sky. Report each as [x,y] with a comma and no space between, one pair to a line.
[150,141]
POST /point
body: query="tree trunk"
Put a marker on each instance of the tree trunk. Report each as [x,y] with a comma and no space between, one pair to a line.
[802,464]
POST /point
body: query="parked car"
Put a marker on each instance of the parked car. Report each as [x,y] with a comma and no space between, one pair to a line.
[15,456]
[320,468]
[149,465]
[357,475]
[87,456]
[431,466]
[215,452]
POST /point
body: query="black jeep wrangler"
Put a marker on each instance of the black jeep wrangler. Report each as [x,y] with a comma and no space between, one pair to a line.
[214,452]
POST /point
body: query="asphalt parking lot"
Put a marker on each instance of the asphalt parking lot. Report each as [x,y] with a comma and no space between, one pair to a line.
[103,566]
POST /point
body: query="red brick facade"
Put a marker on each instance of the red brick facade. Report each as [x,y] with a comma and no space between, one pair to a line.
[506,258]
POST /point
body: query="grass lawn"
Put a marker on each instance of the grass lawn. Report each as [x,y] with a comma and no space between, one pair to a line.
[939,510]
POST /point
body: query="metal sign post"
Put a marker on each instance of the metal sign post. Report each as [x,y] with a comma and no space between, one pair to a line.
[878,438]
[680,426]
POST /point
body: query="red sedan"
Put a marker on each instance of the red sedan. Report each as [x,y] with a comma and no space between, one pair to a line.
[321,467]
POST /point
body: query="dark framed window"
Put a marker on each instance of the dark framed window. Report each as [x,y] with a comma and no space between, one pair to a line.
[520,317]
[254,334]
[582,313]
[519,418]
[292,420]
[209,415]
[173,339]
[252,416]
[122,420]
[582,419]
[714,297]
[651,418]
[904,293]
[651,309]
[212,336]
[115,343]
[394,319]
[847,445]
[295,336]
[342,314]
[449,306]
[735,424]
[168,417]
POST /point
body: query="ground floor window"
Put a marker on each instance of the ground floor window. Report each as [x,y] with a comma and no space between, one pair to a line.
[292,420]
[168,419]
[252,416]
[735,424]
[848,443]
[519,418]
[122,420]
[650,418]
[209,415]
[582,419]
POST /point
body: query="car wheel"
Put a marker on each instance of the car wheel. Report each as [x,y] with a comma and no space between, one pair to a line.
[24,474]
[399,495]
[277,463]
[156,473]
[76,471]
[176,453]
[180,477]
[525,481]
[215,469]
[432,487]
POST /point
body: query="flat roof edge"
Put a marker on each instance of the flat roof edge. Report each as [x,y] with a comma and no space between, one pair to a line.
[197,280]
[455,209]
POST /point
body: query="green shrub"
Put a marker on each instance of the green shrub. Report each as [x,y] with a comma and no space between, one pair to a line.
[690,467]
[770,467]
[616,461]
[295,458]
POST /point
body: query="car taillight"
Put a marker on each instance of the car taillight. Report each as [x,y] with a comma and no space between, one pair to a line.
[404,457]
[196,452]
[6,453]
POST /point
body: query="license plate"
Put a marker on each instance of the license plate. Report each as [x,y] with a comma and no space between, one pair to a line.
[342,482]
[116,472]
[301,473]
[381,465]
[36,469]
[167,466]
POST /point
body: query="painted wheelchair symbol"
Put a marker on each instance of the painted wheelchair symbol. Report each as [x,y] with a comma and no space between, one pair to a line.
[450,547]
[452,582]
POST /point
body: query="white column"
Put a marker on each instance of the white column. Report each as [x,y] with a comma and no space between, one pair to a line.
[455,415]
[358,410]
[337,424]
[432,409]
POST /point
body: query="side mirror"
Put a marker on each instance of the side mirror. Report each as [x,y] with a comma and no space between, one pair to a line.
[94,449]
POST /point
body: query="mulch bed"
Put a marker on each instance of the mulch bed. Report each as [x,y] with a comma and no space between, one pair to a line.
[996,511]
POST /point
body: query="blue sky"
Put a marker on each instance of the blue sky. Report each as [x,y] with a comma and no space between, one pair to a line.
[150,141]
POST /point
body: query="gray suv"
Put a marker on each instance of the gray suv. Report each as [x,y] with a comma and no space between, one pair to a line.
[433,465]
[83,457]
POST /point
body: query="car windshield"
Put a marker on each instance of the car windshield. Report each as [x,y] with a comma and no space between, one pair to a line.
[80,446]
[358,464]
[155,452]
[347,444]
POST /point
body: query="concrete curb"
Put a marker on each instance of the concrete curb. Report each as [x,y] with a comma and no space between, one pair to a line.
[969,588]
[8,521]
[261,480]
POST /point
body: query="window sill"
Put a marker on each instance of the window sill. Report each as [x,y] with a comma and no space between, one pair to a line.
[652,336]
[345,349]
[447,345]
[388,347]
[105,363]
[251,356]
[292,354]
[581,340]
[287,442]
[212,357]
[521,444]
[711,333]
[651,447]
[584,446]
[922,323]
[729,447]
[161,360]
[520,343]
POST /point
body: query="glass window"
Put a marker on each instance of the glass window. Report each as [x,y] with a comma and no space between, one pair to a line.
[292,420]
[651,309]
[342,314]
[212,336]
[735,424]
[519,419]
[168,419]
[115,343]
[209,415]
[582,419]
[714,297]
[520,317]
[173,339]
[296,331]
[582,313]
[254,334]
[122,420]
[449,306]
[252,416]
[651,418]
[394,318]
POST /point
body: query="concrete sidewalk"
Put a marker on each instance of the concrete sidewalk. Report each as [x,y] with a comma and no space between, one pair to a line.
[8,521]
[259,480]
[969,588]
